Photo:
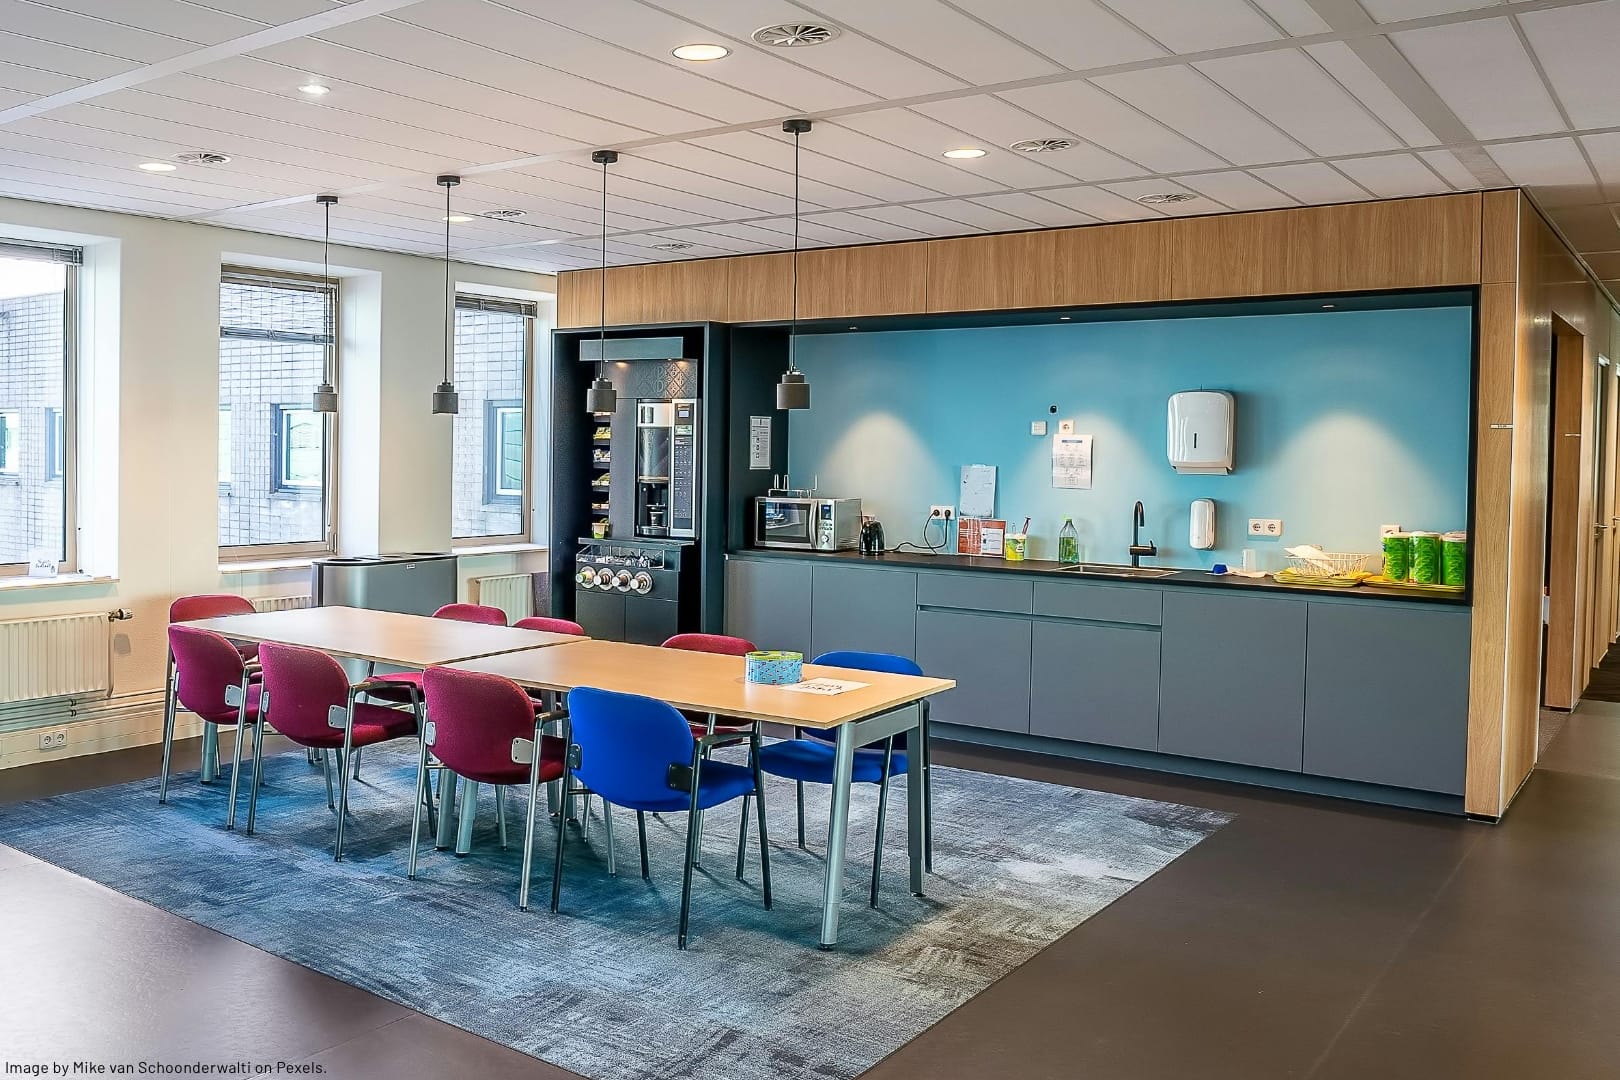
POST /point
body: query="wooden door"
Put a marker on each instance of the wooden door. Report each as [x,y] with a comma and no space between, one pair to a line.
[1564,675]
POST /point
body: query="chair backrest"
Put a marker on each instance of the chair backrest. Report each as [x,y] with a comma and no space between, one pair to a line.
[479,613]
[205,664]
[475,717]
[627,744]
[888,663]
[550,625]
[303,685]
[712,643]
[208,605]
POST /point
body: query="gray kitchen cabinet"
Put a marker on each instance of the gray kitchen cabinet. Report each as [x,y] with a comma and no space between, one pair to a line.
[975,592]
[1386,695]
[988,656]
[1140,604]
[1233,679]
[768,602]
[1095,684]
[871,610]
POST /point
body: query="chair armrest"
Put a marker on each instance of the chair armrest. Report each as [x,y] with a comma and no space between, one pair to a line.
[725,738]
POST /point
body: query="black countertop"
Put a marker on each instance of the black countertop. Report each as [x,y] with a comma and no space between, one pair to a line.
[1181,578]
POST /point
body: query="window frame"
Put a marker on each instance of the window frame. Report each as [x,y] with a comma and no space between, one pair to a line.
[10,435]
[238,553]
[72,258]
[529,312]
[281,418]
[495,452]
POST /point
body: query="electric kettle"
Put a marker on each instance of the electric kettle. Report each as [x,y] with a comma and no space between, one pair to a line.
[872,537]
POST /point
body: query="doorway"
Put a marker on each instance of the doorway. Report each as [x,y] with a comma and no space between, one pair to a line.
[1566,641]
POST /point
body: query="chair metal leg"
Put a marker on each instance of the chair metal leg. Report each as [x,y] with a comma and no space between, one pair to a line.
[641,830]
[799,785]
[210,754]
[607,824]
[422,796]
[356,770]
[742,839]
[343,779]
[236,772]
[562,832]
[691,850]
[326,767]
[528,826]
[444,836]
[883,809]
[764,839]
[170,707]
[500,813]
[259,730]
[466,816]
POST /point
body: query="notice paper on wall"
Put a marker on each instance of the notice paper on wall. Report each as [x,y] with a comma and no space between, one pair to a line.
[978,497]
[824,687]
[759,442]
[1071,461]
[981,536]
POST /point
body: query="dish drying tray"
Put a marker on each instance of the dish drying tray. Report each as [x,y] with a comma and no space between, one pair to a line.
[1331,564]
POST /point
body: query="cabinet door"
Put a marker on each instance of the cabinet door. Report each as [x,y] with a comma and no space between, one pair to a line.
[1232,685]
[1386,695]
[768,602]
[988,656]
[871,610]
[1096,684]
[600,613]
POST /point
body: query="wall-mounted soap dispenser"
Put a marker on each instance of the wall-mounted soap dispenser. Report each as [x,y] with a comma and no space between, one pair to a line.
[1200,431]
[1201,531]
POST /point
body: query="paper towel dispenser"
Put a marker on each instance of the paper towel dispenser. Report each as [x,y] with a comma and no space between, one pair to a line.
[1200,431]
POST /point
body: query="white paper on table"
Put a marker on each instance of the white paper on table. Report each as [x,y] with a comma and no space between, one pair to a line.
[759,442]
[824,687]
[1071,461]
[978,498]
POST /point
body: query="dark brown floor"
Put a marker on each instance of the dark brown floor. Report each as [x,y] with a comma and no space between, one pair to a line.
[1605,684]
[1309,938]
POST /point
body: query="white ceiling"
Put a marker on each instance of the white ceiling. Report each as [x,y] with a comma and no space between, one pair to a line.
[1245,104]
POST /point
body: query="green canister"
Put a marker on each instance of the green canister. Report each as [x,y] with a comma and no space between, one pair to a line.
[1454,558]
[1397,556]
[1426,558]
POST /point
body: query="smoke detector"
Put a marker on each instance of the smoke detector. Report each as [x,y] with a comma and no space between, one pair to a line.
[674,246]
[504,215]
[1162,198]
[1043,146]
[795,35]
[202,157]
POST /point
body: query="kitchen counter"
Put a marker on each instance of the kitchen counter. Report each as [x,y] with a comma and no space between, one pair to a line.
[913,560]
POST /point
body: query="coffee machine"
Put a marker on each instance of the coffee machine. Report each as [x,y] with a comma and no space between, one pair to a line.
[666,468]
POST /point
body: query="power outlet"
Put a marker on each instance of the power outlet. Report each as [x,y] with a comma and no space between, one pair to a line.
[1267,527]
[53,740]
[948,513]
[1388,530]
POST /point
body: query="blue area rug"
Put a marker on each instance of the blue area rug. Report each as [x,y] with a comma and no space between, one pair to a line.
[600,988]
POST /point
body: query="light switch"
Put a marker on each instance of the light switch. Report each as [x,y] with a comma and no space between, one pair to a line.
[1037,427]
[1065,427]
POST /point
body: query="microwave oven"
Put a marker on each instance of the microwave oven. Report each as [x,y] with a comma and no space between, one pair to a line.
[810,524]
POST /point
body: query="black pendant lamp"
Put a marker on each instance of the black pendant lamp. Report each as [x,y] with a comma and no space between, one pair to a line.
[601,397]
[793,391]
[326,394]
[445,399]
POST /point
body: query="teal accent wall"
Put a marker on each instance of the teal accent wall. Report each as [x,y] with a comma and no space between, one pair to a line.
[1345,421]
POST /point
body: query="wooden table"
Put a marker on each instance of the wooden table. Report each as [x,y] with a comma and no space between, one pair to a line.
[708,683]
[382,637]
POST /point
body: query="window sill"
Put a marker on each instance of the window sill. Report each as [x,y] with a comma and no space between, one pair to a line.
[254,566]
[496,549]
[22,581]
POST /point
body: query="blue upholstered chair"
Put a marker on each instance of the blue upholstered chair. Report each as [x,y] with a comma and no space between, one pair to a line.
[810,760]
[639,753]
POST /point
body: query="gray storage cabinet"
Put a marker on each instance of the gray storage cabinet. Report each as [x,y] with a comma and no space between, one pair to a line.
[869,610]
[768,602]
[1095,684]
[988,656]
[1233,679]
[1386,696]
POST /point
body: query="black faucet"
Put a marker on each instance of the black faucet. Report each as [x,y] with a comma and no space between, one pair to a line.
[1139,549]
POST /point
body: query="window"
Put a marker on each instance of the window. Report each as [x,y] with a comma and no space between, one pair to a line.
[494,343]
[275,461]
[37,374]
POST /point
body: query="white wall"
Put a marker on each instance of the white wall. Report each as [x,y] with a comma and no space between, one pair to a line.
[148,469]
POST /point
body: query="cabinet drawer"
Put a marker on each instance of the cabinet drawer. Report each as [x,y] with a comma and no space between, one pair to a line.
[975,592]
[1099,603]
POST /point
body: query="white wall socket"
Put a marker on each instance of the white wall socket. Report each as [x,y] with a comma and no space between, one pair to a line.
[1388,530]
[947,513]
[53,740]
[1272,527]
[1065,427]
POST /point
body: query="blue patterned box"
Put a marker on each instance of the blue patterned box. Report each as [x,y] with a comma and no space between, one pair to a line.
[775,668]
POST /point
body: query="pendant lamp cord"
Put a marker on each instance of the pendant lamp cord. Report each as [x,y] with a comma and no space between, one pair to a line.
[449,301]
[793,325]
[601,356]
[326,283]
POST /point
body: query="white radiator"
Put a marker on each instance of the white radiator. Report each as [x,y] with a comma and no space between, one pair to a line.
[512,593]
[56,656]
[279,603]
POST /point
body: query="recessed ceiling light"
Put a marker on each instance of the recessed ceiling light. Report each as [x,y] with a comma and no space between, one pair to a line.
[1063,318]
[795,35]
[1043,146]
[701,51]
[157,166]
[456,219]
[675,245]
[1163,197]
[961,152]
[202,157]
[315,88]
[505,215]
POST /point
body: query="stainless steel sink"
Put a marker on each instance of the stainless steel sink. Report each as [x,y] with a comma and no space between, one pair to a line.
[1113,570]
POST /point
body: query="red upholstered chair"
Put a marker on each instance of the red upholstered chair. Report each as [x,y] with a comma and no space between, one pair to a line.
[484,729]
[309,700]
[396,688]
[725,645]
[187,609]
[550,625]
[214,683]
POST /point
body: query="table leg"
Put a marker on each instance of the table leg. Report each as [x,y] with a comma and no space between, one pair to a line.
[447,809]
[917,803]
[832,890]
[466,815]
[169,709]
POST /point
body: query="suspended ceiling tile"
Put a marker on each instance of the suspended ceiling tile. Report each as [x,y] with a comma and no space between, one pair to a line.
[862,225]
[1386,11]
[1297,17]
[938,34]
[1311,182]
[1078,34]
[702,160]
[1446,164]
[1292,91]
[773,149]
[1100,204]
[273,12]
[994,122]
[811,232]
[928,137]
[919,219]
[1135,190]
[849,140]
[34,82]
[15,186]
[82,64]
[1193,27]
[1032,207]
[1237,190]
[200,24]
[1543,163]
[1604,150]
[1354,75]
[1185,101]
[71,161]
[978,216]
[1392,176]
[1484,75]
[1116,127]
[54,24]
[1577,47]
[750,199]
